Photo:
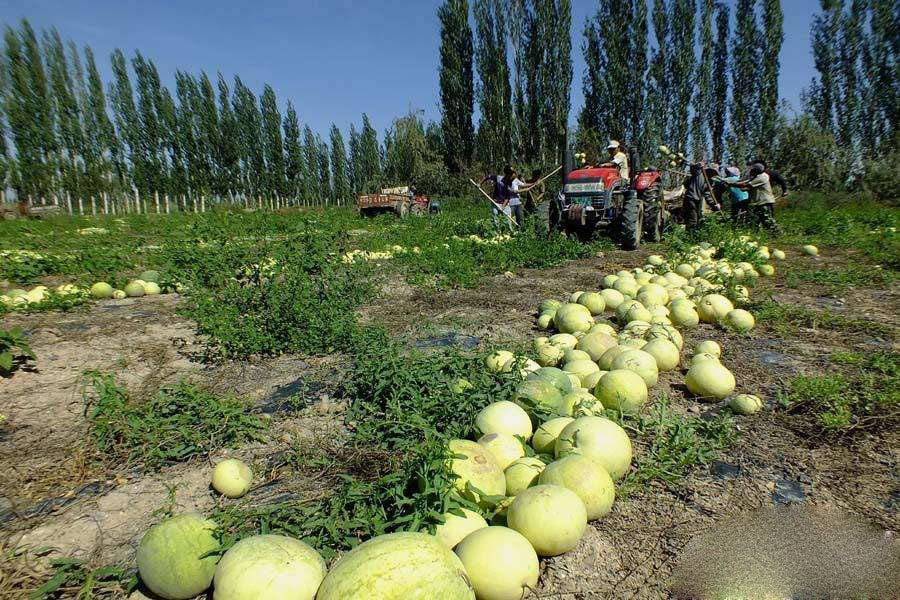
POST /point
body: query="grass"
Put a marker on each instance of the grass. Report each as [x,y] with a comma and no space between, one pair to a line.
[786,318]
[840,279]
[178,423]
[842,220]
[865,398]
[670,444]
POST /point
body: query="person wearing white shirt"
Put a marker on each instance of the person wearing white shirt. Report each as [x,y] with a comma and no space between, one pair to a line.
[515,186]
[618,159]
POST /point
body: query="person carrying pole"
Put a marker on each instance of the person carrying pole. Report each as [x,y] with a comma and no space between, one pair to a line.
[499,199]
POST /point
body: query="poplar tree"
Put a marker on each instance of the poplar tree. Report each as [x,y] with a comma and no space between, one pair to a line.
[370,156]
[744,111]
[229,140]
[340,185]
[121,96]
[659,81]
[772,38]
[294,152]
[313,190]
[17,104]
[703,102]
[324,170]
[681,71]
[274,144]
[824,37]
[247,114]
[149,135]
[882,73]
[67,110]
[719,112]
[615,76]
[848,109]
[208,134]
[355,167]
[494,143]
[456,83]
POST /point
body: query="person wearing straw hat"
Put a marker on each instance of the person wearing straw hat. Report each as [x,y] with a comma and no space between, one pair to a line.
[617,158]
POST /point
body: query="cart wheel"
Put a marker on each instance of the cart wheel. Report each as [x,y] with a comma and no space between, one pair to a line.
[402,209]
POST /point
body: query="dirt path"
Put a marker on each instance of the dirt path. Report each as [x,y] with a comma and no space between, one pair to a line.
[101,513]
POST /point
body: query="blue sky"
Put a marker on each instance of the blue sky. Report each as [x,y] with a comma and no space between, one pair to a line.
[335,59]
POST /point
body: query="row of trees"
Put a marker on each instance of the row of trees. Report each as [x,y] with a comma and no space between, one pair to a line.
[66,137]
[523,113]
[856,96]
[668,83]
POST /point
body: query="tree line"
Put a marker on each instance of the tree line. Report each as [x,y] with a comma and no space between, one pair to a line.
[67,138]
[686,73]
[692,74]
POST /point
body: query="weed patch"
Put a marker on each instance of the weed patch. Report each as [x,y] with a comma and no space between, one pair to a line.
[670,444]
[178,423]
[840,279]
[784,317]
[391,473]
[866,398]
[14,350]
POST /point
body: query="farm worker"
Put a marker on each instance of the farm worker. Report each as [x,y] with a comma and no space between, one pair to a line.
[738,198]
[617,158]
[540,205]
[696,189]
[775,178]
[514,187]
[762,200]
[500,196]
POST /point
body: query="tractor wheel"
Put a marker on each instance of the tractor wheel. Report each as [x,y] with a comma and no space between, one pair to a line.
[402,209]
[631,221]
[417,209]
[654,216]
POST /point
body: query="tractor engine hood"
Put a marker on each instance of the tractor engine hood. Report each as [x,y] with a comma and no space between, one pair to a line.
[590,180]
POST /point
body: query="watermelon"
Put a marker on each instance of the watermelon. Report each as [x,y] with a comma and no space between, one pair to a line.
[398,566]
[269,567]
[170,557]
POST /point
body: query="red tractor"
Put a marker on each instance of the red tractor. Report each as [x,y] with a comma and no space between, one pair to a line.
[595,197]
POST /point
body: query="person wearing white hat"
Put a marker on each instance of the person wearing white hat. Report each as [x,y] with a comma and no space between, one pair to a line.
[617,158]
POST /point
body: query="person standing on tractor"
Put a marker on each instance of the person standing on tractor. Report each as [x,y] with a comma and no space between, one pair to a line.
[618,159]
[762,200]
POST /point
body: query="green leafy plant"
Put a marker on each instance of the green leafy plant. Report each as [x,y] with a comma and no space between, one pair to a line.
[178,423]
[669,444]
[866,398]
[14,350]
[75,578]
[391,473]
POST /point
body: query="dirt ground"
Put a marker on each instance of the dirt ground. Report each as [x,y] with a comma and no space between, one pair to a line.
[54,494]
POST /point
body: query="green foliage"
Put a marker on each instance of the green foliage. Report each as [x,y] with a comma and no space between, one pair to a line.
[178,423]
[868,397]
[391,474]
[783,317]
[840,279]
[14,350]
[669,444]
[76,578]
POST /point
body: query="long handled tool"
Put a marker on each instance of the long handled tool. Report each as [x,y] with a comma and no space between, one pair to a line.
[491,200]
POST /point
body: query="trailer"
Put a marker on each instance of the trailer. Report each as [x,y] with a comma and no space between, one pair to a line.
[400,200]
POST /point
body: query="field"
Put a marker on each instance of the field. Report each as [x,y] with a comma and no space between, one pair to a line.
[320,348]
